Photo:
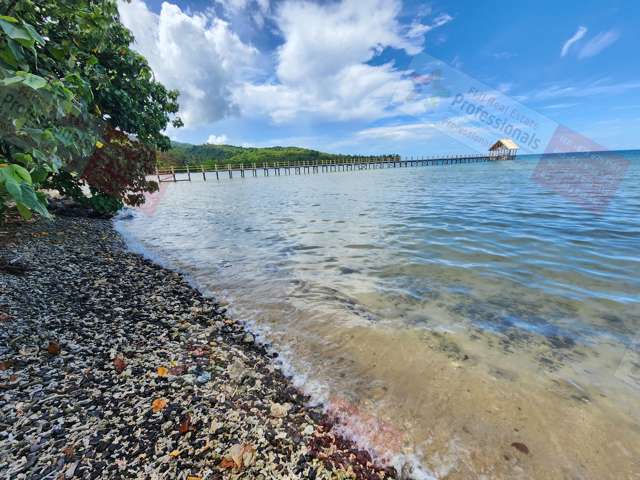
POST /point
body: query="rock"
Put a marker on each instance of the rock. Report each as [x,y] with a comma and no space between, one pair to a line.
[204,377]
[248,338]
[279,410]
[71,470]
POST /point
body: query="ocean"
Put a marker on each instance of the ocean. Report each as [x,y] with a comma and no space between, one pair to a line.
[471,321]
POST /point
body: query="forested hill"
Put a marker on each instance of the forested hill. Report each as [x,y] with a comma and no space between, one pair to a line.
[187,154]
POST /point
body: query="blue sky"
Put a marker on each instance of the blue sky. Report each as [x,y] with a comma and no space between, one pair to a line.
[387,76]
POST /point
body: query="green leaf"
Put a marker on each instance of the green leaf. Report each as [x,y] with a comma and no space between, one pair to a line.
[24,211]
[39,175]
[15,31]
[34,81]
[7,56]
[58,52]
[19,122]
[5,82]
[13,188]
[21,173]
[31,200]
[35,35]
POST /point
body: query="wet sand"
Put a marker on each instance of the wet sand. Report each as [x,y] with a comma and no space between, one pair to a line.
[469,419]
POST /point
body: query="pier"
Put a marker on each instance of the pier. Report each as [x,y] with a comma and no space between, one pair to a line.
[341,164]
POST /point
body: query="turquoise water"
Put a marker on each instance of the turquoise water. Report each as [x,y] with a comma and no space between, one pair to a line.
[524,265]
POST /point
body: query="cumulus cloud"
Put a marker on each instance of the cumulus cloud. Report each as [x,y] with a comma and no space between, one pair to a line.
[217,139]
[323,39]
[576,37]
[197,54]
[255,9]
[598,43]
[322,67]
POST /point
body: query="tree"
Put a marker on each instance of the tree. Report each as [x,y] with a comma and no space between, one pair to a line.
[75,97]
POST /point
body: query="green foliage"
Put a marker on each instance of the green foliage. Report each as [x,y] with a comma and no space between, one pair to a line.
[68,80]
[186,154]
[16,182]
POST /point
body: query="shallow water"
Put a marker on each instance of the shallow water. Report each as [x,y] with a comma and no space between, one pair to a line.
[446,313]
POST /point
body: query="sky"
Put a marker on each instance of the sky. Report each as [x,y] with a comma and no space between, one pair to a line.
[391,76]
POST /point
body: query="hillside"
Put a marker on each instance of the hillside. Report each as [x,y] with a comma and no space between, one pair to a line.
[186,154]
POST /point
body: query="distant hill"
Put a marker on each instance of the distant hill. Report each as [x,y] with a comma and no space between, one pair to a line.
[186,154]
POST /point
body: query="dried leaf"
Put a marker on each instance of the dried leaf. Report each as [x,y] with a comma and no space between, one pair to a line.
[158,404]
[185,424]
[6,365]
[53,348]
[239,456]
[521,447]
[227,463]
[69,452]
[235,453]
[194,477]
[119,364]
[248,455]
[162,372]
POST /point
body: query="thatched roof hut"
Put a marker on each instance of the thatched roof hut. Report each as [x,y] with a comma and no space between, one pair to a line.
[504,149]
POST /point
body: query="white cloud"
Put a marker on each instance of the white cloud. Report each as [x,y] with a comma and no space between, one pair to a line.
[233,5]
[456,127]
[356,92]
[598,43]
[410,131]
[197,54]
[217,139]
[581,32]
[602,87]
[418,29]
[239,9]
[322,68]
[559,106]
[323,39]
[237,5]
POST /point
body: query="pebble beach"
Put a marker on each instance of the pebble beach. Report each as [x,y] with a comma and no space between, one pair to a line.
[114,367]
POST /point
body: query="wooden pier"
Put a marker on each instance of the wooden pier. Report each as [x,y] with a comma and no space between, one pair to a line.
[218,171]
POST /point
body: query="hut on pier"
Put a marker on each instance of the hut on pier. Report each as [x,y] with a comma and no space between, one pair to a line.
[504,149]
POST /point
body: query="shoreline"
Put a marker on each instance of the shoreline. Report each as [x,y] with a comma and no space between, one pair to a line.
[114,367]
